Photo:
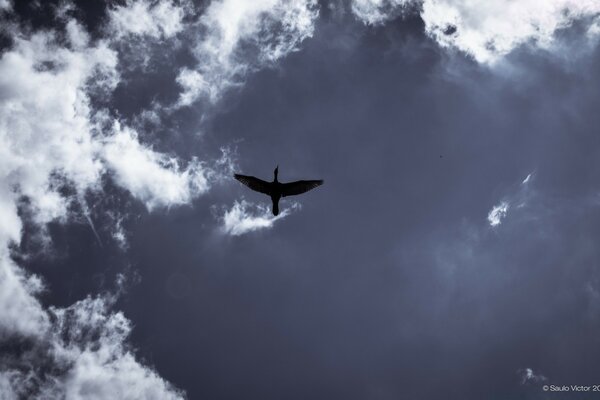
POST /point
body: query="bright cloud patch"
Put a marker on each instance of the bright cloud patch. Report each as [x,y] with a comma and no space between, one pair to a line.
[529,376]
[377,11]
[50,136]
[81,355]
[490,29]
[142,17]
[19,309]
[244,217]
[487,30]
[239,36]
[152,177]
[497,213]
[45,125]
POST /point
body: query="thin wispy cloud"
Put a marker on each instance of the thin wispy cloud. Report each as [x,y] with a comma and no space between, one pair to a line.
[529,376]
[522,201]
[245,217]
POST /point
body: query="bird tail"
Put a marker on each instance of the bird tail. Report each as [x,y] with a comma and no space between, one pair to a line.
[275,207]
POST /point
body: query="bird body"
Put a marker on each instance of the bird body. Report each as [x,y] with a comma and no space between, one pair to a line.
[276,190]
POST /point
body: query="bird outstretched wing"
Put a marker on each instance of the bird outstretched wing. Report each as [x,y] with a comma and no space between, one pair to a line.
[299,187]
[254,183]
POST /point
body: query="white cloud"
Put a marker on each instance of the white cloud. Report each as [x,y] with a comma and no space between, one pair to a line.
[45,125]
[49,131]
[498,213]
[19,309]
[491,29]
[523,200]
[119,235]
[90,340]
[5,5]
[195,85]
[527,179]
[84,355]
[528,376]
[162,19]
[51,136]
[152,177]
[239,36]
[488,30]
[245,217]
[375,12]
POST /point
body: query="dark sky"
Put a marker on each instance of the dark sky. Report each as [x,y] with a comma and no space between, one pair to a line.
[389,282]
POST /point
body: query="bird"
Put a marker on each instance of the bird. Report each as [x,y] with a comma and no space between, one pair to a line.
[276,190]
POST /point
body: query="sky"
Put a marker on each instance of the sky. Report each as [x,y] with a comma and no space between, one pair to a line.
[450,254]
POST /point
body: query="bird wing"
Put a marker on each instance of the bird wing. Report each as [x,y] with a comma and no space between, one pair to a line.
[299,187]
[254,183]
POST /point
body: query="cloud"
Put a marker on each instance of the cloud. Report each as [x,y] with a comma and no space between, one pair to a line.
[498,213]
[375,12]
[45,125]
[236,37]
[56,147]
[528,376]
[82,354]
[20,311]
[152,177]
[488,30]
[594,29]
[52,136]
[161,19]
[524,200]
[144,31]
[116,229]
[245,217]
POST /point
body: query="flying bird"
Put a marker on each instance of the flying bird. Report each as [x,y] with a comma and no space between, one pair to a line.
[276,190]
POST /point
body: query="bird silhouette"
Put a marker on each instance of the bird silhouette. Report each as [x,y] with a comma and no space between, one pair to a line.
[276,190]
